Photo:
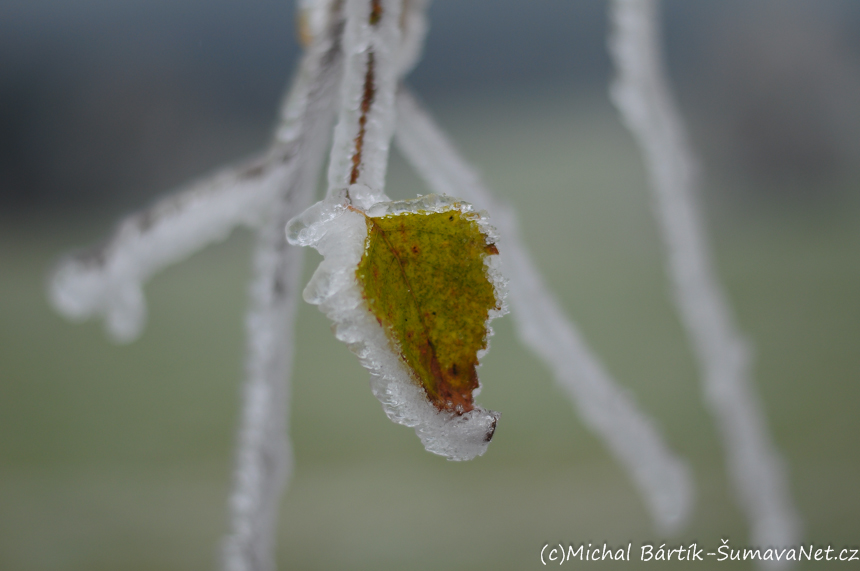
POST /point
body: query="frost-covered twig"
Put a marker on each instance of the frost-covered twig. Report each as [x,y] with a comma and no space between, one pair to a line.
[362,136]
[643,98]
[607,409]
[263,194]
[107,280]
[264,456]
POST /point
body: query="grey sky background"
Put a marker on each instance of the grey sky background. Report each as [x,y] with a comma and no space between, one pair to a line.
[105,102]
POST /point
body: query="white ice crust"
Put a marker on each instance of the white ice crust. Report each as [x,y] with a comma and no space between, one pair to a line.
[339,232]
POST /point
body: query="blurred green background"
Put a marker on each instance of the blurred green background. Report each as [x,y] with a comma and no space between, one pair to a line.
[120,457]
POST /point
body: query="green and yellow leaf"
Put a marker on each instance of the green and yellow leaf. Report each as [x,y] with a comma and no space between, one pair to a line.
[424,278]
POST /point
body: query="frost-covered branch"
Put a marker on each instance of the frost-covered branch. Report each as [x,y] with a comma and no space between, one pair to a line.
[264,455]
[107,280]
[362,136]
[642,94]
[263,194]
[607,409]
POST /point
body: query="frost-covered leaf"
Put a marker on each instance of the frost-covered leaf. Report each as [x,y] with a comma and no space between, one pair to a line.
[424,280]
[369,295]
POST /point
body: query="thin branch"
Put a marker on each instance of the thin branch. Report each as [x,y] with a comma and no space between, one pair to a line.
[264,455]
[107,280]
[365,123]
[662,478]
[642,95]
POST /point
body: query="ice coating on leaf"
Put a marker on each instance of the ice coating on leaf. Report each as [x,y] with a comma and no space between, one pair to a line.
[339,232]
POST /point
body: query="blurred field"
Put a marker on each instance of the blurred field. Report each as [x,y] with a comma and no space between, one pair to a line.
[120,457]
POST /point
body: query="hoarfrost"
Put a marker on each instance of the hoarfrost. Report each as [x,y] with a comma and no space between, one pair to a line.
[644,100]
[107,280]
[378,44]
[366,113]
[264,455]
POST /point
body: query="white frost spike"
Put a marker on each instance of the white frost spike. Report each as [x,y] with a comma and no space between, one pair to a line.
[663,479]
[339,233]
[642,95]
